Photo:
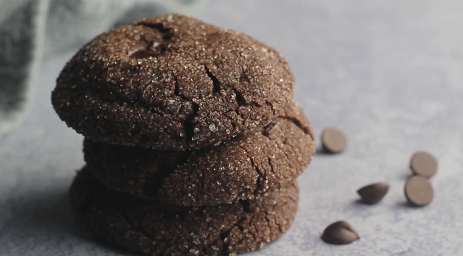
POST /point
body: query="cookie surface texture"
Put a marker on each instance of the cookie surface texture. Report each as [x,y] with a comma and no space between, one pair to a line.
[240,169]
[172,83]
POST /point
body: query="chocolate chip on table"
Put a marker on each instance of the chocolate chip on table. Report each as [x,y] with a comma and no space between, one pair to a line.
[373,193]
[424,164]
[333,140]
[340,232]
[419,191]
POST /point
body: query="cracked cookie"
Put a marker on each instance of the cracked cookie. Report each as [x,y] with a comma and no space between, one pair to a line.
[163,229]
[172,83]
[239,169]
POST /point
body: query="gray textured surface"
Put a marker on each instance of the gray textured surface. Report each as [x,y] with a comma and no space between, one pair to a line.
[389,73]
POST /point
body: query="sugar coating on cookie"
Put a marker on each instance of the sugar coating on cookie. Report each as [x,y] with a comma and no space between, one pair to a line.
[240,169]
[172,83]
[162,229]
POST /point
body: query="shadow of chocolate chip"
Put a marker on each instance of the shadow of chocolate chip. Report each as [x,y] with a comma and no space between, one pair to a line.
[322,151]
[340,232]
[402,205]
[406,175]
[373,193]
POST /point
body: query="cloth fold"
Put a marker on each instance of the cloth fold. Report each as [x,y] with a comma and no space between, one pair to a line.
[31,30]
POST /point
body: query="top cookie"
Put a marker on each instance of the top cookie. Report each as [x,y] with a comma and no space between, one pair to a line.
[172,83]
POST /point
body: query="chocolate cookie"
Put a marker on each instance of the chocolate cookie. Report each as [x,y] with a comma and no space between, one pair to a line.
[172,83]
[240,169]
[163,229]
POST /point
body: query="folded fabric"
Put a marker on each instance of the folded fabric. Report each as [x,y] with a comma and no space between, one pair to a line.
[33,29]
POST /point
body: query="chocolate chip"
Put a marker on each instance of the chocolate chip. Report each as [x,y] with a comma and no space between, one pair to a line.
[340,232]
[373,193]
[423,164]
[418,191]
[333,140]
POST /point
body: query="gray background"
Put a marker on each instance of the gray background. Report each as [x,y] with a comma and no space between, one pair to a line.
[388,73]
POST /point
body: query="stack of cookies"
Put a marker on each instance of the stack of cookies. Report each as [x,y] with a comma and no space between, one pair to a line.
[192,141]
